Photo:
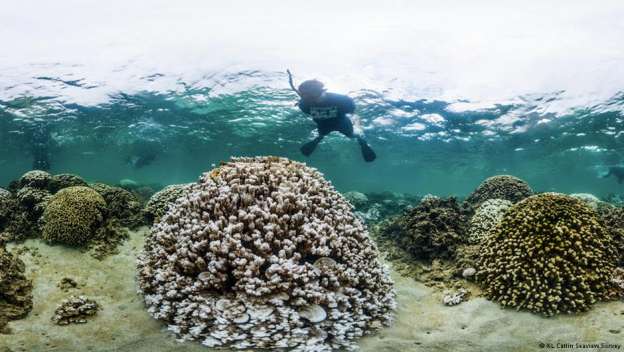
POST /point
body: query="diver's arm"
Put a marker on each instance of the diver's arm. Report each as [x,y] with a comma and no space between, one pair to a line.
[292,85]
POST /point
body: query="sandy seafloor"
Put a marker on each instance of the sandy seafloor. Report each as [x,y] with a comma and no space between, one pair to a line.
[422,323]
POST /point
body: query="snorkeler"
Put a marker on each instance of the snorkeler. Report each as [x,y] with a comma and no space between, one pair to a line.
[329,112]
[617,172]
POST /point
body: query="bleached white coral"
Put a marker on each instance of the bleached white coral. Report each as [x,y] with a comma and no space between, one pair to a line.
[487,215]
[264,253]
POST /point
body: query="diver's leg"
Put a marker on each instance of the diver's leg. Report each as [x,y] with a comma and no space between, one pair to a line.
[368,153]
[309,147]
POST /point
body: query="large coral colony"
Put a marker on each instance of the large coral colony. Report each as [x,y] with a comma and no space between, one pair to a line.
[264,253]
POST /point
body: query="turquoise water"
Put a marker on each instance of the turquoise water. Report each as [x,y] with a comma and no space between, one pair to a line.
[423,146]
[447,93]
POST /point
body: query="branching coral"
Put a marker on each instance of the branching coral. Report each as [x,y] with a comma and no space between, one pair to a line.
[505,187]
[549,255]
[264,253]
[75,310]
[73,215]
[15,288]
[486,217]
[431,230]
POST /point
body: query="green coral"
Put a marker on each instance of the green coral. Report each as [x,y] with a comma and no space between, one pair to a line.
[613,220]
[504,187]
[158,204]
[431,230]
[122,204]
[15,289]
[548,255]
[73,215]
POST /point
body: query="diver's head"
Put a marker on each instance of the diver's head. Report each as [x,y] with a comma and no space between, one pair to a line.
[311,90]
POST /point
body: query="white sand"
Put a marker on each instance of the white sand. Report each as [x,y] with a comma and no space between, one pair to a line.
[422,323]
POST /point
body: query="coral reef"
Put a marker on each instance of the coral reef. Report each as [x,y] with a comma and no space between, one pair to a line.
[121,204]
[504,187]
[60,181]
[159,203]
[433,229]
[613,219]
[73,216]
[35,178]
[548,255]
[67,283]
[15,289]
[264,253]
[374,207]
[487,215]
[75,310]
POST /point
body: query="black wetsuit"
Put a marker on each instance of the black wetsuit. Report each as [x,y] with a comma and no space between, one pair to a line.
[330,113]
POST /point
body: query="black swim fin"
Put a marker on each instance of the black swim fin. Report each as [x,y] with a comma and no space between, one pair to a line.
[367,152]
[309,147]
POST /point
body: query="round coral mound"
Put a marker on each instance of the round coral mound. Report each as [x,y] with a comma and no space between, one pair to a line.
[431,230]
[121,204]
[548,255]
[73,215]
[504,187]
[264,253]
[159,203]
[486,217]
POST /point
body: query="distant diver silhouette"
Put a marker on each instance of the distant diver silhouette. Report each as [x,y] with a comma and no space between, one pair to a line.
[143,153]
[617,172]
[329,112]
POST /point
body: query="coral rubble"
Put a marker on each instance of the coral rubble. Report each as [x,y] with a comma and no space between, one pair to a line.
[504,187]
[548,255]
[75,310]
[264,253]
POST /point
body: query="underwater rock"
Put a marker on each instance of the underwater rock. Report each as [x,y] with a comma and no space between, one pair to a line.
[455,298]
[433,229]
[60,181]
[15,288]
[7,207]
[486,217]
[75,310]
[549,255]
[73,216]
[613,220]
[469,272]
[505,187]
[159,203]
[121,204]
[236,262]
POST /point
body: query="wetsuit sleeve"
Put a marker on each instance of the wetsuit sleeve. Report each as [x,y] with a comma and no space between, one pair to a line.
[305,108]
[348,105]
